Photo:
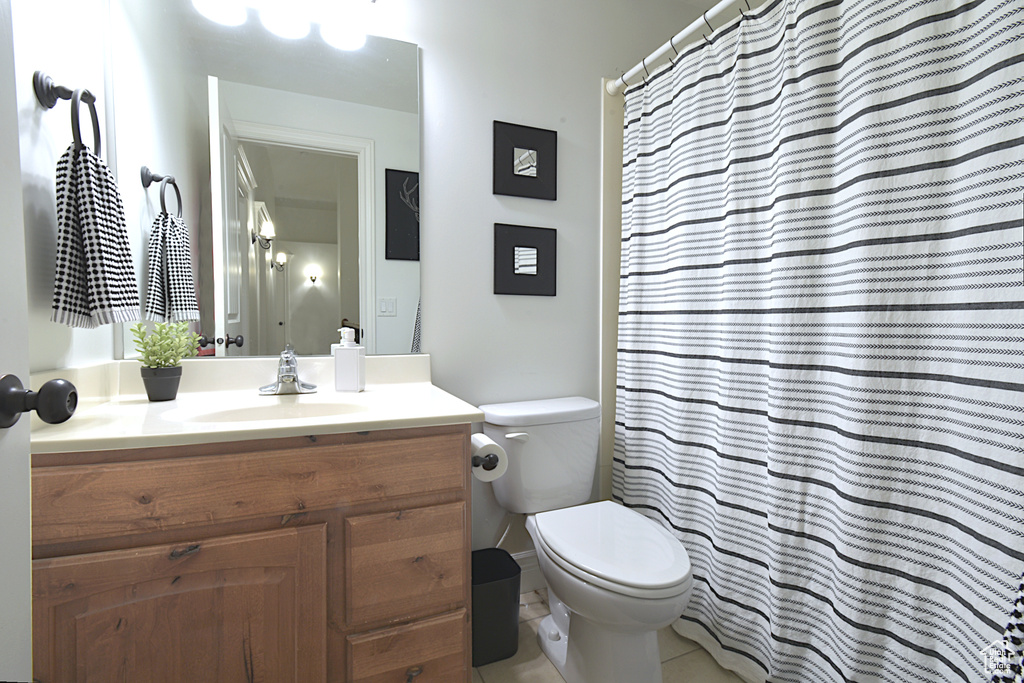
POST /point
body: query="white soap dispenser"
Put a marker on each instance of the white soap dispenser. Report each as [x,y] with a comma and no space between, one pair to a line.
[349,362]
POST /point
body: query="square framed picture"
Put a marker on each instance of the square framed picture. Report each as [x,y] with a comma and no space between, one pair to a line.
[524,260]
[525,161]
[402,220]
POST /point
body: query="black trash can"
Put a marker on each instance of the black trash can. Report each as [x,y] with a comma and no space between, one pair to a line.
[495,606]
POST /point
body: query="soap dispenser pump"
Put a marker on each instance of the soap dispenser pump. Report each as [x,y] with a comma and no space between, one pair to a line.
[349,362]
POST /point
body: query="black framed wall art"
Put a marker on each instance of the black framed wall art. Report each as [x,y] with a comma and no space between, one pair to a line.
[524,260]
[525,161]
[402,219]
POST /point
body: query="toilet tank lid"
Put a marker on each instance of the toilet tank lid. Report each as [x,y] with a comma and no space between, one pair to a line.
[547,411]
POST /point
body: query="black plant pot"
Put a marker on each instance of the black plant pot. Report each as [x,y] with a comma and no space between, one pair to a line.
[161,383]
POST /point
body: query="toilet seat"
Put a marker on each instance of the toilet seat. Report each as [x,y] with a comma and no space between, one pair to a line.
[615,548]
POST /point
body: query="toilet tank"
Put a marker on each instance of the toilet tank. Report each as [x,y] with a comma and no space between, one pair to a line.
[552,448]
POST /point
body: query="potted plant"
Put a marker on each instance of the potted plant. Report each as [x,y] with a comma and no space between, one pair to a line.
[161,352]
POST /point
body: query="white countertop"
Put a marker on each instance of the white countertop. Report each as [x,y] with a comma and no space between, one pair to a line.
[219,401]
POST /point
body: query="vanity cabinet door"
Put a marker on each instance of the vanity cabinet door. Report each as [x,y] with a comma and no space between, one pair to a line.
[249,607]
[405,563]
[430,650]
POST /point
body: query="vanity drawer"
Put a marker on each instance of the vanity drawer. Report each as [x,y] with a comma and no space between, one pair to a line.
[435,647]
[405,563]
[107,499]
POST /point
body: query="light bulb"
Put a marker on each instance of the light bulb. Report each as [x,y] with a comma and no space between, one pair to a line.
[343,24]
[313,271]
[336,34]
[224,12]
[283,21]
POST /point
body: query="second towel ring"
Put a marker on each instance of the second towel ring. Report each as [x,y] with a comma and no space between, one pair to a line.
[147,179]
[177,194]
[76,130]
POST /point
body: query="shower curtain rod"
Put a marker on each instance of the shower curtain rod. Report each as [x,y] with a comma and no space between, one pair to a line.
[670,49]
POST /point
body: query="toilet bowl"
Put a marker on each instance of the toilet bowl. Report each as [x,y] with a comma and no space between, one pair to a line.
[617,593]
[614,576]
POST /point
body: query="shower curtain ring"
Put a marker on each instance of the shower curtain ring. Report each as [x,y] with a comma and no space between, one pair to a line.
[644,63]
[672,45]
[705,15]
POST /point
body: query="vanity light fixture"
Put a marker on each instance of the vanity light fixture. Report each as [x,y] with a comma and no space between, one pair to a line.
[313,271]
[342,22]
[278,262]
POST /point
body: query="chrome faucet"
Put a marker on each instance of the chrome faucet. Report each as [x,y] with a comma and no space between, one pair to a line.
[288,381]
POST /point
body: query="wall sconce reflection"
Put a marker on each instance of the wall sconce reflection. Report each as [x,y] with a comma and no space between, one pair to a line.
[265,235]
[278,262]
[313,271]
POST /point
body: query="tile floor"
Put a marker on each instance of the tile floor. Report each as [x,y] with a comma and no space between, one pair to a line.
[683,661]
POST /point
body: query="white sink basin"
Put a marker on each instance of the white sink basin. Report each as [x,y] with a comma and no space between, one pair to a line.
[281,408]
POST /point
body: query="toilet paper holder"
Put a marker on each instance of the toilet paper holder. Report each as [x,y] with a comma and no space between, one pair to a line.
[488,462]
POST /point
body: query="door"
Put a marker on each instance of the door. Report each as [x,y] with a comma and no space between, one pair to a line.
[15,560]
[230,218]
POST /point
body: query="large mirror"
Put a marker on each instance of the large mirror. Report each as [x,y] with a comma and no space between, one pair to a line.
[295,139]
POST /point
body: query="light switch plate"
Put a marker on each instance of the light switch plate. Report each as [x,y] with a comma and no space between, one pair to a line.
[387,307]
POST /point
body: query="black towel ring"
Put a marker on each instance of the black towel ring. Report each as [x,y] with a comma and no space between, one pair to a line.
[77,98]
[177,193]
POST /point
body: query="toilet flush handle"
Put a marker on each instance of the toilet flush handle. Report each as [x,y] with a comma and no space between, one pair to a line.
[522,437]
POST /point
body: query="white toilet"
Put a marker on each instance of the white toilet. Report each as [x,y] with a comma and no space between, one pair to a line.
[614,576]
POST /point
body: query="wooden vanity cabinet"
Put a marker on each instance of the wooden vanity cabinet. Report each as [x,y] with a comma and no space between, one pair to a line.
[323,558]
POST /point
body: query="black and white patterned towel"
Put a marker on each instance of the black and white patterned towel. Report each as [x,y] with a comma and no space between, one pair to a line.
[171,294]
[1005,659]
[417,327]
[94,283]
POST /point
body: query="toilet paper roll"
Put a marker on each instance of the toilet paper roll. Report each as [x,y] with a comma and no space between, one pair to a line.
[482,447]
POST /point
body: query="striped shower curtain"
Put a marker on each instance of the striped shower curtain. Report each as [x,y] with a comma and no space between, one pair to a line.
[821,335]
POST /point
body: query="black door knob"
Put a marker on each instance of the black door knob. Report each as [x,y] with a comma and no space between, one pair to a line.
[55,401]
[237,341]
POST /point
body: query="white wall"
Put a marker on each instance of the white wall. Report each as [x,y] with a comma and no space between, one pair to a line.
[44,135]
[308,329]
[531,62]
[159,123]
[156,124]
[536,63]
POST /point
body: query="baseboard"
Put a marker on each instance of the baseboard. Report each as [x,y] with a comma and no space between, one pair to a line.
[530,579]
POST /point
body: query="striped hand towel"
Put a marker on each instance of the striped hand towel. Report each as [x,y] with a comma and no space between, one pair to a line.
[95,281]
[1005,659]
[171,294]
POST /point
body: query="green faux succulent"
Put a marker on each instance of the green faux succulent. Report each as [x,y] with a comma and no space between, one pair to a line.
[165,345]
